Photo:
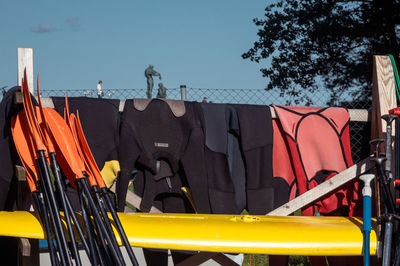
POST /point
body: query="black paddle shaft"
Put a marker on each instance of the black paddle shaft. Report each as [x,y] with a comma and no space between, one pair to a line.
[49,211]
[103,248]
[62,197]
[107,222]
[54,210]
[119,227]
[88,225]
[388,143]
[101,224]
[77,225]
[41,207]
[385,183]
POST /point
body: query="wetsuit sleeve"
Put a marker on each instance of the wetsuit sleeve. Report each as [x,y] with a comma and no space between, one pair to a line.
[257,139]
[195,170]
[236,160]
[128,153]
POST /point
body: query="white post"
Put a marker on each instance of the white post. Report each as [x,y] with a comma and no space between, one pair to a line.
[25,60]
[183,92]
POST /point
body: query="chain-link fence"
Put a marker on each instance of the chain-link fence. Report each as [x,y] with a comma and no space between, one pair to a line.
[216,95]
[359,131]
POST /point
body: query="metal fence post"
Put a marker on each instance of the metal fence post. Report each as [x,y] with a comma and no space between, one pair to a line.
[183,92]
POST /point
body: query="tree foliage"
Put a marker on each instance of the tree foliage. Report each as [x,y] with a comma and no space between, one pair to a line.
[309,46]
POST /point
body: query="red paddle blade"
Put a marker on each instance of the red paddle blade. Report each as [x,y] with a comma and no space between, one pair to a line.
[72,119]
[66,152]
[87,152]
[24,146]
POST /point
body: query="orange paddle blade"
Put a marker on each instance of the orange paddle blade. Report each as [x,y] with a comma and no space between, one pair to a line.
[67,118]
[88,153]
[66,109]
[89,172]
[42,121]
[24,146]
[66,152]
[30,116]
[46,140]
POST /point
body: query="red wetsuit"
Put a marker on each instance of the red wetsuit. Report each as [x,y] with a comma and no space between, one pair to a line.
[319,143]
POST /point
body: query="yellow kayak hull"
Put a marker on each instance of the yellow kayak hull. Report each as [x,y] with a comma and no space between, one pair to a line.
[292,235]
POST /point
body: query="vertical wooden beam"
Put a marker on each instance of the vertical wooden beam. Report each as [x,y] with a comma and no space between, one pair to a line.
[383,94]
[25,60]
[28,249]
[383,99]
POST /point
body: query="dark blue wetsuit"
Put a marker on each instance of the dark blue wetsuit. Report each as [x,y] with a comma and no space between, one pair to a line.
[225,166]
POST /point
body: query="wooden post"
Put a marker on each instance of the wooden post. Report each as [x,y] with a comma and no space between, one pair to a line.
[383,99]
[28,249]
[183,92]
[383,93]
[25,60]
[383,96]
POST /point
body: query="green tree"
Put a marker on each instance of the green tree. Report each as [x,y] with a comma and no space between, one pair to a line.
[324,45]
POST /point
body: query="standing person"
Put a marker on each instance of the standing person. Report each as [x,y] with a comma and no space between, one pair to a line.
[149,73]
[100,93]
[205,99]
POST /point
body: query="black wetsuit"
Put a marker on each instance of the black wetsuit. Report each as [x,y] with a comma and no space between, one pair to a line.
[8,154]
[156,133]
[225,165]
[8,183]
[176,141]
[100,120]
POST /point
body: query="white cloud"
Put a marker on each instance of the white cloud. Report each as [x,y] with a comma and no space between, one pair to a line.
[73,22]
[43,28]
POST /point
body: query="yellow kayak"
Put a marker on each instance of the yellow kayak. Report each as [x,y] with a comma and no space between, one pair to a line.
[292,235]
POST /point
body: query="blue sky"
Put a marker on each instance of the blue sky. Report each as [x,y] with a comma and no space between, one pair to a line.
[78,42]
